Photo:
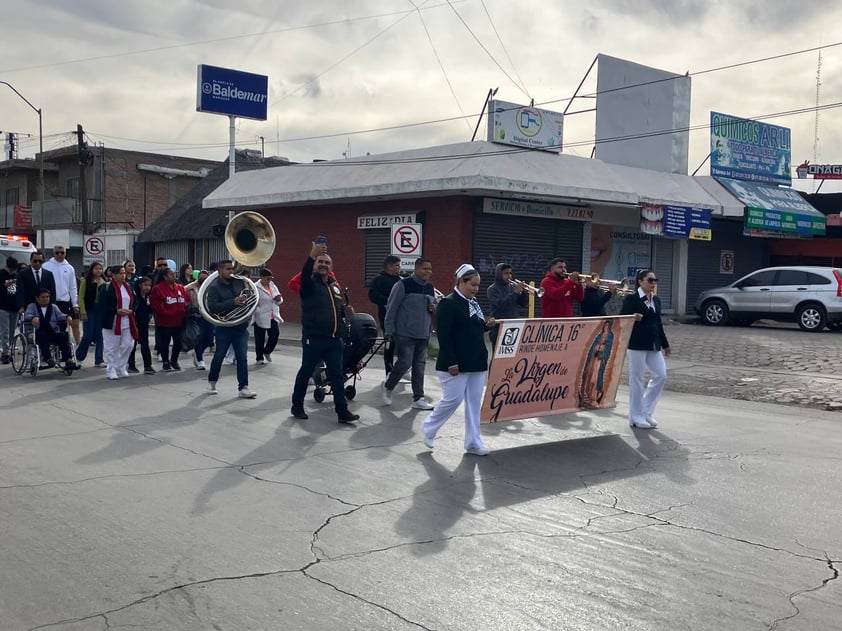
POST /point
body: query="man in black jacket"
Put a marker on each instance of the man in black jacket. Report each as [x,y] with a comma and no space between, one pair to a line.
[31,280]
[322,331]
[378,292]
[504,298]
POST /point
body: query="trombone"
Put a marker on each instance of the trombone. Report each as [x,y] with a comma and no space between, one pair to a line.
[535,291]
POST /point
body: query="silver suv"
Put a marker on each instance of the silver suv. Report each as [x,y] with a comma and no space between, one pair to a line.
[810,296]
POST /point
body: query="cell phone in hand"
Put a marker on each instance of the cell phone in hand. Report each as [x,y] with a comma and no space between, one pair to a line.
[320,239]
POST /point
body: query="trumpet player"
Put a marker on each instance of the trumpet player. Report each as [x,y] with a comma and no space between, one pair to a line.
[596,297]
[506,297]
[561,290]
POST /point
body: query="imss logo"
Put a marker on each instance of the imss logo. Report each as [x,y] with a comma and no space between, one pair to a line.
[508,341]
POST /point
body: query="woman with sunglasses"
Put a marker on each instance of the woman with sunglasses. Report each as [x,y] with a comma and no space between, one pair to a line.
[648,346]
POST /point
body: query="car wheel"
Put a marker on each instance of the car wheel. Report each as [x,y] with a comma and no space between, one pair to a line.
[811,317]
[715,313]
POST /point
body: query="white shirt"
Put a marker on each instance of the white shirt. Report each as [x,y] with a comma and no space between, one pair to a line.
[645,296]
[65,275]
[267,309]
[124,320]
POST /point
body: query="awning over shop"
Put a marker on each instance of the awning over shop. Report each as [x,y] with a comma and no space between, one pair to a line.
[731,206]
[773,209]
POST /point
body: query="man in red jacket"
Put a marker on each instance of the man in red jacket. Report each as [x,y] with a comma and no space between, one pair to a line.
[560,290]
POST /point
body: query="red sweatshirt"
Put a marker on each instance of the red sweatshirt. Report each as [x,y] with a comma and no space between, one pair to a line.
[169,304]
[559,294]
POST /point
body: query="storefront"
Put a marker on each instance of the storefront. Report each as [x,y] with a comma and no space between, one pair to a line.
[471,202]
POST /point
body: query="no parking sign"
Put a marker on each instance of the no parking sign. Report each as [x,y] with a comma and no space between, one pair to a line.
[407,242]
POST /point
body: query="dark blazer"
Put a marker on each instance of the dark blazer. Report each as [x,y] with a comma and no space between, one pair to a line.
[107,300]
[461,337]
[27,287]
[648,333]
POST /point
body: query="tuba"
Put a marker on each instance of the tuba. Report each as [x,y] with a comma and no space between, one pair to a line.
[250,239]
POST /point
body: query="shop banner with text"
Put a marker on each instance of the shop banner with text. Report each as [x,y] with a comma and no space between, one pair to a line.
[545,366]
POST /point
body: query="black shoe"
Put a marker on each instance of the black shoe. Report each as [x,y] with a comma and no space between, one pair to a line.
[348,417]
[4,359]
[175,366]
[51,363]
[167,367]
[149,371]
[300,413]
[133,369]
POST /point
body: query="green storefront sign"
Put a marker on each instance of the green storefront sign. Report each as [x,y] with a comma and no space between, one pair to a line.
[784,221]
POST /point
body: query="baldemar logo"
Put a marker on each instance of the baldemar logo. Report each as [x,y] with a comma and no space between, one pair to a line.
[231,92]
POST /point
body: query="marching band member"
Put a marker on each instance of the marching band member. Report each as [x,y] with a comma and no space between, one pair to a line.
[560,290]
[504,298]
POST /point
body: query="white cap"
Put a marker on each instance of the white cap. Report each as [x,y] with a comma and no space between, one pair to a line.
[464,269]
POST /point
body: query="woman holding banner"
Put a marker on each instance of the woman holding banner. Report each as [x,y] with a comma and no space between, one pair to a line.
[463,360]
[648,346]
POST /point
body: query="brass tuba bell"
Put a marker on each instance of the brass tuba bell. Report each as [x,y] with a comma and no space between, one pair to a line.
[250,240]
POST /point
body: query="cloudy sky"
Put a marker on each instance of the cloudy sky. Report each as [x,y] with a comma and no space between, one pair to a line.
[340,72]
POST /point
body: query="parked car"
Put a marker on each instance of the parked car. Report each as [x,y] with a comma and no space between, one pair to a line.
[810,296]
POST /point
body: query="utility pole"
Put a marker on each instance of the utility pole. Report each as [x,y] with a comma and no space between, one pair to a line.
[85,157]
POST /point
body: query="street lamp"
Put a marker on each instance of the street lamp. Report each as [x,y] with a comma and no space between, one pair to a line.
[40,157]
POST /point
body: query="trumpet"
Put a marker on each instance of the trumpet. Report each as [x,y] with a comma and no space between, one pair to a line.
[535,291]
[583,278]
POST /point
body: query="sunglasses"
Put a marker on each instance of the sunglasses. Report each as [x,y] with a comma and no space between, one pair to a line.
[651,280]
[37,261]
[58,252]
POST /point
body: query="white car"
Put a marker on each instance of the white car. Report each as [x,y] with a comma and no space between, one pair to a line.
[810,296]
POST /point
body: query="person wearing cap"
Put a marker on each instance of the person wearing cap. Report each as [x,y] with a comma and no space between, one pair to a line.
[462,363]
[267,317]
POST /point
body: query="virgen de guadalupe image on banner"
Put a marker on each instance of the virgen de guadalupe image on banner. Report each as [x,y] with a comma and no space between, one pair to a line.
[548,366]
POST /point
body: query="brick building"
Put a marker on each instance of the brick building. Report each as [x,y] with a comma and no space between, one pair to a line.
[124,192]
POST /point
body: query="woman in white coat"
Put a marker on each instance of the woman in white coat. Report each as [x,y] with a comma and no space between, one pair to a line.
[267,317]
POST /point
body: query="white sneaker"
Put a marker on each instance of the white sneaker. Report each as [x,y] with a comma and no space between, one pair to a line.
[482,450]
[422,404]
[200,365]
[268,358]
[123,373]
[245,393]
[111,375]
[387,395]
[652,422]
[640,424]
[428,441]
[211,388]
[261,362]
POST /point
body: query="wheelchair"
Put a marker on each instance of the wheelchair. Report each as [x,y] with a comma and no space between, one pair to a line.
[26,356]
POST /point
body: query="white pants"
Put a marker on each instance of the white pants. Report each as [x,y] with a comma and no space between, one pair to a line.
[467,387]
[644,397]
[117,349]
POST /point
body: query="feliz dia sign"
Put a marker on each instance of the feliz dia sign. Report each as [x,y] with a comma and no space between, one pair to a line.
[548,366]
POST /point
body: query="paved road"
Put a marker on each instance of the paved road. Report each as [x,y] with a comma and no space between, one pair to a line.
[145,504]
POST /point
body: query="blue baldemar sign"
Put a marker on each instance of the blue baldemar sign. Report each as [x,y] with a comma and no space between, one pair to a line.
[232,92]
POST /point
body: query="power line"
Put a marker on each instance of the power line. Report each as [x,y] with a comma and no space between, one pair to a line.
[455,118]
[487,52]
[441,65]
[502,45]
[288,29]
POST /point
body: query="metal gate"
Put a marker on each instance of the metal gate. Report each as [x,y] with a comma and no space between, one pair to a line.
[377,247]
[703,258]
[178,251]
[525,243]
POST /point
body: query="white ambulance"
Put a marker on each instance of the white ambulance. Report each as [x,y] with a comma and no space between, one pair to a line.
[15,245]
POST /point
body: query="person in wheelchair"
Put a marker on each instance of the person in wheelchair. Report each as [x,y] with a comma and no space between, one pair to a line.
[50,326]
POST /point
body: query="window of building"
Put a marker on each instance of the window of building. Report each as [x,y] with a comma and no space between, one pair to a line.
[72,187]
[12,196]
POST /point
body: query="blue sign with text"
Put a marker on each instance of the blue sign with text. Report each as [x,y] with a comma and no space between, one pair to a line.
[744,149]
[232,92]
[686,222]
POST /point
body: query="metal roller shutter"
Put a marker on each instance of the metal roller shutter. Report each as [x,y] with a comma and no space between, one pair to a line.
[664,249]
[703,258]
[525,243]
[377,248]
[175,250]
[217,251]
